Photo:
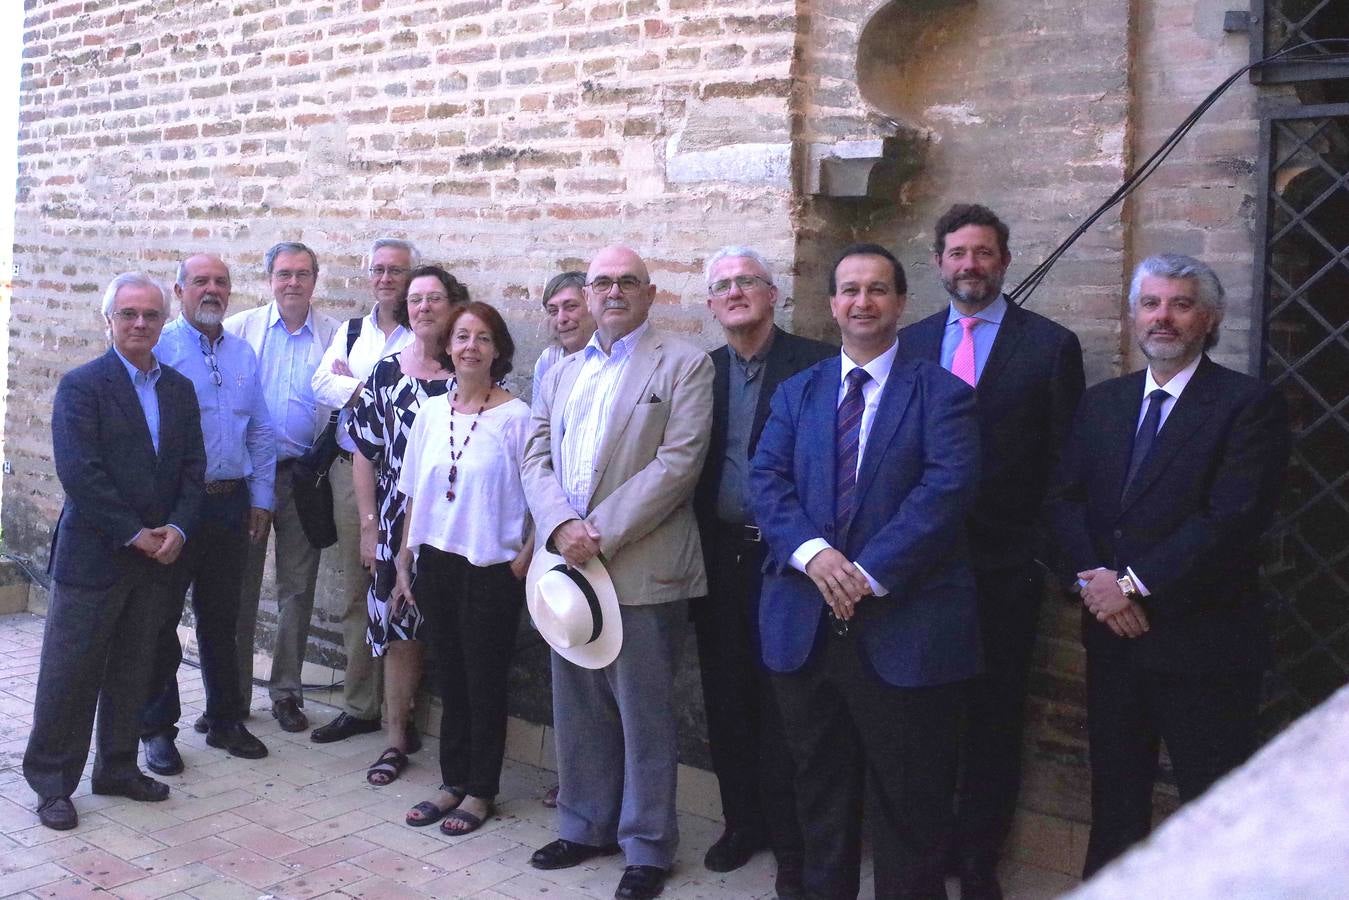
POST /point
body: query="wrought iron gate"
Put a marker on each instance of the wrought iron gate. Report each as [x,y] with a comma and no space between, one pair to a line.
[1303,277]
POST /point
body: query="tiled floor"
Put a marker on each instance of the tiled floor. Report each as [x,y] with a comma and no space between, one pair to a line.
[304,823]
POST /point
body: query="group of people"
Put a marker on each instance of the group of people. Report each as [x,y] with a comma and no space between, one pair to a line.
[861,538]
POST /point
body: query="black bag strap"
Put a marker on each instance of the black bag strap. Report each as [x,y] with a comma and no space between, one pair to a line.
[353,331]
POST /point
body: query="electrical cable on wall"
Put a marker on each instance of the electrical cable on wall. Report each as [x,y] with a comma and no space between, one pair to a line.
[1022,292]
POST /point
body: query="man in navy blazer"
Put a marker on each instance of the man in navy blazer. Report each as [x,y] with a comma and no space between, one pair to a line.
[126,441]
[1170,478]
[1027,374]
[861,483]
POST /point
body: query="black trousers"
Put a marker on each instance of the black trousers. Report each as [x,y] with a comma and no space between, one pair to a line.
[744,725]
[95,654]
[1208,721]
[849,730]
[990,751]
[212,565]
[471,615]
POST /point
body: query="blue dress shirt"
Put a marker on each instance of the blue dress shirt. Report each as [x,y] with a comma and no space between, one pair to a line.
[985,334]
[287,383]
[235,424]
[144,385]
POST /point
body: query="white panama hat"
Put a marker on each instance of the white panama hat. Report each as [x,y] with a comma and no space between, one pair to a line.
[575,609]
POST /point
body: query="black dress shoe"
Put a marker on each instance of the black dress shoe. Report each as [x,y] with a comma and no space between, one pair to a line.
[641,883]
[161,756]
[136,787]
[563,854]
[287,712]
[236,740]
[201,726]
[732,850]
[343,727]
[788,884]
[58,813]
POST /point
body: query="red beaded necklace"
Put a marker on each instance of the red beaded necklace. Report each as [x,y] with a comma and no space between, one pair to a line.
[454,457]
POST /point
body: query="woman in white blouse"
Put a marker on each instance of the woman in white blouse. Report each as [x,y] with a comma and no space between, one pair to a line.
[467,525]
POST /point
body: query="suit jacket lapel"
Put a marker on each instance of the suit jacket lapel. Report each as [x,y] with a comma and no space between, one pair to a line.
[721,387]
[1004,346]
[1120,425]
[630,392]
[1192,409]
[125,396]
[894,401]
[568,368]
[929,334]
[780,365]
[819,413]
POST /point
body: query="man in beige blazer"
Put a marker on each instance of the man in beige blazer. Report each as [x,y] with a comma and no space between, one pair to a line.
[288,336]
[619,434]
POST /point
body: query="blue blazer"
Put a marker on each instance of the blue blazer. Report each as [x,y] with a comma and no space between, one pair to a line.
[918,476]
[115,483]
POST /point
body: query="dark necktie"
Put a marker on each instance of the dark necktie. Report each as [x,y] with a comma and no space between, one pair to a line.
[1146,436]
[846,436]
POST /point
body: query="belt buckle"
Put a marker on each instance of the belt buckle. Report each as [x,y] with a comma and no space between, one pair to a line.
[751,533]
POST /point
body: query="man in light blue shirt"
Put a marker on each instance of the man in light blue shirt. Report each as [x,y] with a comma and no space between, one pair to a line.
[289,337]
[240,468]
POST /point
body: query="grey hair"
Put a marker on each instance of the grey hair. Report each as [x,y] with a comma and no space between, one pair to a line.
[1209,289]
[415,256]
[733,251]
[561,281]
[131,279]
[288,247]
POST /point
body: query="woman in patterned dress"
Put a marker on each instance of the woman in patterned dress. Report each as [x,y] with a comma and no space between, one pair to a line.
[382,418]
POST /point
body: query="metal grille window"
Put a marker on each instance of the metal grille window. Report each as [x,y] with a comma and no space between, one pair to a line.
[1304,278]
[1281,24]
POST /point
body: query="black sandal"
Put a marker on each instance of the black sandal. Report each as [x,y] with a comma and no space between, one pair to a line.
[470,821]
[429,812]
[387,768]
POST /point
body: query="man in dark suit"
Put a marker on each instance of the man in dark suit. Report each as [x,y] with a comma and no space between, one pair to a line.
[1027,374]
[1170,477]
[126,441]
[744,727]
[861,482]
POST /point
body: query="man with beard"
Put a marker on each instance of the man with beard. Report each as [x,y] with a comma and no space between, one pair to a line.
[289,337]
[1169,479]
[1027,374]
[236,508]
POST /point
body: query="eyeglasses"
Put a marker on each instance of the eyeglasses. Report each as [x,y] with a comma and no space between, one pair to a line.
[628,284]
[150,316]
[433,299]
[300,275]
[744,282]
[216,378]
[391,271]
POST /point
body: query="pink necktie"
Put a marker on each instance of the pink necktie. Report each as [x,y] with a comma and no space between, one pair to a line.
[962,364]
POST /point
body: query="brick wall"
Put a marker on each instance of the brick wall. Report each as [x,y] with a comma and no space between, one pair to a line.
[509,138]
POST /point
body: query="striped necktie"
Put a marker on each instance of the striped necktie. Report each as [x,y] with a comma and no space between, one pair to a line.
[846,437]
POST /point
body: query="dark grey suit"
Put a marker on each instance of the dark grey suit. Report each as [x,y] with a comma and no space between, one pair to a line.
[105,596]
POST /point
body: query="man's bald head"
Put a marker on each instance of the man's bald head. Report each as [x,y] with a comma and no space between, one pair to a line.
[619,292]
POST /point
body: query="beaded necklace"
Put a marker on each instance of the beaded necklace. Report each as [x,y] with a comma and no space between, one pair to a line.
[455,457]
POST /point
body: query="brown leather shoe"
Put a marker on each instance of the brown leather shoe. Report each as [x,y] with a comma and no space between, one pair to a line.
[287,712]
[58,813]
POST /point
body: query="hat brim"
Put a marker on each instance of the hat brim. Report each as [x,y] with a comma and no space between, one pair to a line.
[604,648]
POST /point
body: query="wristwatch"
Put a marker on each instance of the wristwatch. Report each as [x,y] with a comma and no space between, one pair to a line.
[1128,588]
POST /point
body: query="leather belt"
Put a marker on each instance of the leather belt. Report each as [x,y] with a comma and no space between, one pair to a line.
[226,486]
[746,534]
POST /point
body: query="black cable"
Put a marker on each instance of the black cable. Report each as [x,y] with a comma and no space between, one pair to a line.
[1022,292]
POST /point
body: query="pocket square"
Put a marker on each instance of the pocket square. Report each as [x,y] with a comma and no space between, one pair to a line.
[653,399]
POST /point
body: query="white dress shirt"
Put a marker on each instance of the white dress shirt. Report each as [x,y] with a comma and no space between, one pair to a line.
[371,346]
[879,370]
[586,416]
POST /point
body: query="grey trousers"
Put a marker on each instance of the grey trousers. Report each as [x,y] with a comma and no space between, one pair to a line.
[363,684]
[97,650]
[296,570]
[616,750]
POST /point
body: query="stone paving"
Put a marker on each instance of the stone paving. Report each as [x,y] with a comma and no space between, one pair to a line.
[304,823]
